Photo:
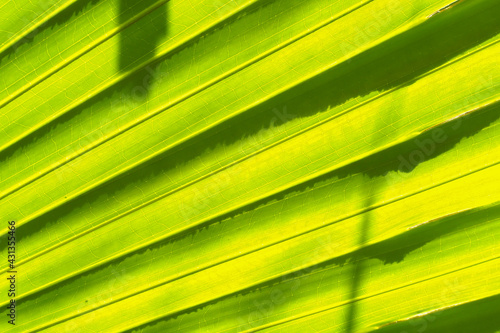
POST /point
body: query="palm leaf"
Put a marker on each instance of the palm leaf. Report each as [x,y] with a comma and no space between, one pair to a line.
[220,166]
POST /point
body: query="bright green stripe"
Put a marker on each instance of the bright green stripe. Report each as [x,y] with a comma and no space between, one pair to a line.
[409,258]
[19,19]
[141,131]
[52,50]
[292,152]
[324,203]
[271,263]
